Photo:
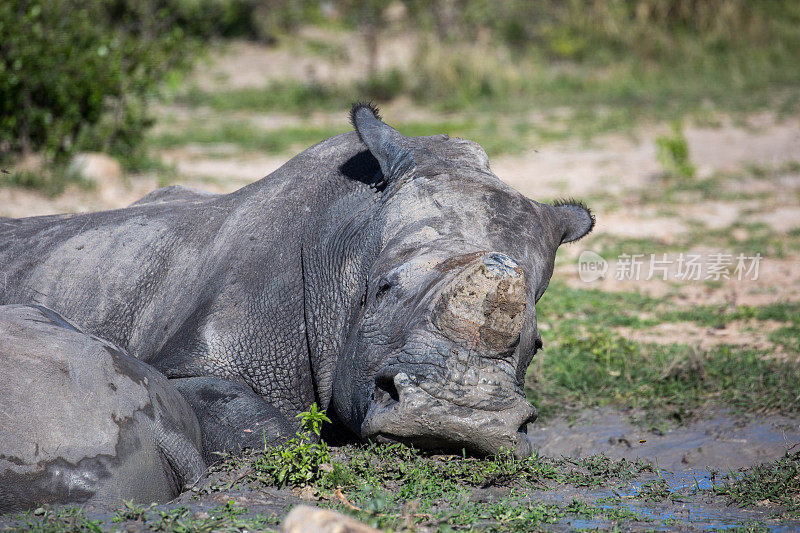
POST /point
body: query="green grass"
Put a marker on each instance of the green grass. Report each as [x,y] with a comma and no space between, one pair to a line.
[594,94]
[376,483]
[52,520]
[227,517]
[395,487]
[223,518]
[586,363]
[51,180]
[759,239]
[716,316]
[246,136]
[287,97]
[777,482]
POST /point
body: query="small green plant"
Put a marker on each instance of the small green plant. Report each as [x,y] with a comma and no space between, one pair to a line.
[312,420]
[53,519]
[656,490]
[130,511]
[673,154]
[299,461]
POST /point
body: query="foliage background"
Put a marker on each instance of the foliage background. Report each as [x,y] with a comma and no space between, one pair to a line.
[80,75]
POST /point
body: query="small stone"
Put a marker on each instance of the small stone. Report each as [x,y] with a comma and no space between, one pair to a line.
[201,515]
[305,519]
[308,493]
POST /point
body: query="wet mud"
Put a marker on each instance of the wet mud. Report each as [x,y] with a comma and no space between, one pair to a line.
[689,458]
[676,495]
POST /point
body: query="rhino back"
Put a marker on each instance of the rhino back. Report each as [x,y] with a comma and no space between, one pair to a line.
[116,273]
[197,285]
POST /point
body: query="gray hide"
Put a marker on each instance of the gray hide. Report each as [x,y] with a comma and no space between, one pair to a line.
[83,422]
[391,279]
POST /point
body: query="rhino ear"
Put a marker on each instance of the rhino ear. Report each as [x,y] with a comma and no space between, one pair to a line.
[389,146]
[574,219]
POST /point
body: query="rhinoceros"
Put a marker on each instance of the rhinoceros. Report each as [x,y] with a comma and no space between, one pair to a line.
[391,279]
[81,421]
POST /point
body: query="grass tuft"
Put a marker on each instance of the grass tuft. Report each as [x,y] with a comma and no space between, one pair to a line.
[777,482]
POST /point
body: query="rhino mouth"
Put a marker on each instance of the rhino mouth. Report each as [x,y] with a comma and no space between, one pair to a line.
[434,416]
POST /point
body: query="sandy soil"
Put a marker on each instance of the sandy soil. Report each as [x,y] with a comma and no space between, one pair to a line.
[341,58]
[745,334]
[778,280]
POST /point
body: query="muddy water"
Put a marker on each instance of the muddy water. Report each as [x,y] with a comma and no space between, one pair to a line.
[720,440]
[689,458]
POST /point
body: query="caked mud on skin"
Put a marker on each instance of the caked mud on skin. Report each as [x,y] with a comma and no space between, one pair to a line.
[391,279]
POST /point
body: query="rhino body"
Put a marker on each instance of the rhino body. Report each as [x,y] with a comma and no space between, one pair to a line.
[390,279]
[81,421]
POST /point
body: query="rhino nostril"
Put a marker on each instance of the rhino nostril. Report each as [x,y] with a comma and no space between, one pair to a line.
[385,389]
[523,428]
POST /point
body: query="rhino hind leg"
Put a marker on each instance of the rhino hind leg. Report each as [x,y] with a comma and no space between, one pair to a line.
[232,416]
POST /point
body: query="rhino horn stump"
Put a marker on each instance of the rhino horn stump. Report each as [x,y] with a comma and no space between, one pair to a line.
[483,305]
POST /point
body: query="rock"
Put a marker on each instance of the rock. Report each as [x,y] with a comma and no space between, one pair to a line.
[305,519]
[96,166]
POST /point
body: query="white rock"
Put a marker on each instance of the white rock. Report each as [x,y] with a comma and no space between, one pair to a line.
[306,519]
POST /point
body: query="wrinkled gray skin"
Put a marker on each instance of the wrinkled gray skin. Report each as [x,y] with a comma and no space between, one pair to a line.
[83,422]
[391,279]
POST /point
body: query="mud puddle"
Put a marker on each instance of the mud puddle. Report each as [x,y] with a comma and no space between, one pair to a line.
[688,461]
[719,440]
[684,505]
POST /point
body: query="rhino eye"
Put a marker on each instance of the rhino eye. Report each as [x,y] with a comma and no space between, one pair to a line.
[383,289]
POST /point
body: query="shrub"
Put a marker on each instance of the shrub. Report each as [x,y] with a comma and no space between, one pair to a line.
[263,20]
[77,75]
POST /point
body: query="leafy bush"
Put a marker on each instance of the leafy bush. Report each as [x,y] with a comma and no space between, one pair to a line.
[263,20]
[77,75]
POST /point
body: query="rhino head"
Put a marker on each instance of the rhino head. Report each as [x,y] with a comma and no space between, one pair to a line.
[446,327]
